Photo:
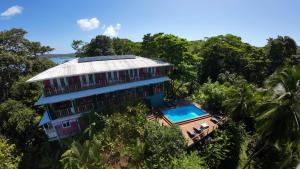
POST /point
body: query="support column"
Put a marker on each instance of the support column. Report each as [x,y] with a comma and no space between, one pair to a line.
[78,125]
[73,110]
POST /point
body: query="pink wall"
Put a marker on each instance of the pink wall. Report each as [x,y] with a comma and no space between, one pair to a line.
[67,131]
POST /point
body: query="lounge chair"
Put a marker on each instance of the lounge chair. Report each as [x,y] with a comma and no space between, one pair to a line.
[198,129]
[218,117]
[191,133]
[214,120]
[204,126]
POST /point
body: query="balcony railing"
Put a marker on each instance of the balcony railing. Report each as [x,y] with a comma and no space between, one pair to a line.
[50,91]
[61,113]
[85,108]
[51,133]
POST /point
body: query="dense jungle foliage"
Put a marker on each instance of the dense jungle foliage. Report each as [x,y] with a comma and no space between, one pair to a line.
[257,88]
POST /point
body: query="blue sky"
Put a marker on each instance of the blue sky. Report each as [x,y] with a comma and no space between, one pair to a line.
[58,22]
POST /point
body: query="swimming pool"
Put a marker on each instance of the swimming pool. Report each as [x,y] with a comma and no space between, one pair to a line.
[183,113]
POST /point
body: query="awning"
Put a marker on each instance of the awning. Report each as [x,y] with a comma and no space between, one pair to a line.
[45,119]
[90,92]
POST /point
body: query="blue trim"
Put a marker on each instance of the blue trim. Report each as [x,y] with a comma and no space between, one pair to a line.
[90,92]
[45,119]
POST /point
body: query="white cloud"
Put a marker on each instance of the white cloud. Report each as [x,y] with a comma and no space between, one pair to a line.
[112,31]
[14,10]
[88,24]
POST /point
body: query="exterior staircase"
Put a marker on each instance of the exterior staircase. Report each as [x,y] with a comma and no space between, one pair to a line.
[151,117]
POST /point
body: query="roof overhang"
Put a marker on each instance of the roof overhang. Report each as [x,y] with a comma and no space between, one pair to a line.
[45,119]
[84,93]
[98,65]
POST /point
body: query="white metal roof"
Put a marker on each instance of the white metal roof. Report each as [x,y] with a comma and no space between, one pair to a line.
[110,63]
[90,92]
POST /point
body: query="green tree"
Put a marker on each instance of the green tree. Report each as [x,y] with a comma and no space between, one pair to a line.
[36,49]
[18,122]
[228,53]
[11,68]
[174,50]
[255,65]
[186,161]
[217,150]
[279,50]
[283,108]
[220,53]
[224,147]
[241,102]
[9,158]
[84,156]
[16,58]
[101,45]
[278,122]
[125,47]
[14,41]
[25,92]
[212,96]
[78,46]
[161,144]
[38,64]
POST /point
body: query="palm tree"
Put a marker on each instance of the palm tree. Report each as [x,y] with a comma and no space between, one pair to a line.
[241,102]
[85,156]
[279,122]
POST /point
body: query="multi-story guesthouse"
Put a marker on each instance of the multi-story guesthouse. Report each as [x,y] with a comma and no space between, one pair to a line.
[83,85]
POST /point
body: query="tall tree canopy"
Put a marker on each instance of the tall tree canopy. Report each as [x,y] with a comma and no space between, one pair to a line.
[16,58]
[174,50]
[125,47]
[14,41]
[103,45]
[228,53]
[280,50]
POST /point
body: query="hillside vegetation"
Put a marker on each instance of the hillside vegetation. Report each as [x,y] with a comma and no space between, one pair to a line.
[222,73]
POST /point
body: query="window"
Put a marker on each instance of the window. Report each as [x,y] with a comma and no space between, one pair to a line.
[66,124]
[55,84]
[83,78]
[91,79]
[115,76]
[135,72]
[132,72]
[109,75]
[62,82]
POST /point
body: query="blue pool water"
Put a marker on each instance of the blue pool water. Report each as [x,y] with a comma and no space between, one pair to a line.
[183,113]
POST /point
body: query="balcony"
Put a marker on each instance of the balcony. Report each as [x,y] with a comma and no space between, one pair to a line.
[50,91]
[51,133]
[61,113]
[85,108]
[56,114]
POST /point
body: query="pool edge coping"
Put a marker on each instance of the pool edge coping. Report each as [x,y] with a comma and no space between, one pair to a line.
[190,119]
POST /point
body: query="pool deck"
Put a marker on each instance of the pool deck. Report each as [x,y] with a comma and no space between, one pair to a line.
[189,124]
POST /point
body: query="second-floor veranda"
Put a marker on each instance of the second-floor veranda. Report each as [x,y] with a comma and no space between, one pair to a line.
[98,102]
[90,81]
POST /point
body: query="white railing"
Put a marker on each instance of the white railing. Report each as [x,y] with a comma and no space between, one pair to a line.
[51,133]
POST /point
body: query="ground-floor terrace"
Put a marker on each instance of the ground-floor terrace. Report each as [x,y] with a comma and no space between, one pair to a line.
[189,128]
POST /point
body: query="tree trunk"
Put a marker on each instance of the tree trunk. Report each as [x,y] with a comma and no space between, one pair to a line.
[255,153]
